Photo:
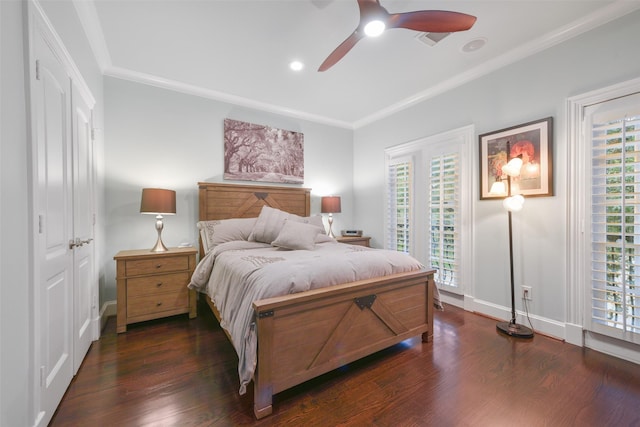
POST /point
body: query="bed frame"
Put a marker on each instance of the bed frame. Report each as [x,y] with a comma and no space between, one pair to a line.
[304,335]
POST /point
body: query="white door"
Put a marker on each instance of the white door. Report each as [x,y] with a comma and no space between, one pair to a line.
[53,335]
[83,276]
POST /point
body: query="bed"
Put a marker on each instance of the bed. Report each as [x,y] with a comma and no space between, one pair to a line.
[305,334]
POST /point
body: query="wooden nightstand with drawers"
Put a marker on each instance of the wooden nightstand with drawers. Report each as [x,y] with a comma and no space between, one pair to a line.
[354,240]
[152,285]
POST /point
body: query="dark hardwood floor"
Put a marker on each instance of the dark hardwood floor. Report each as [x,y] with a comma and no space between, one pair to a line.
[181,372]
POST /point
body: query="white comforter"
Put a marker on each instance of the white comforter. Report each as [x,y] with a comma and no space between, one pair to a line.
[234,274]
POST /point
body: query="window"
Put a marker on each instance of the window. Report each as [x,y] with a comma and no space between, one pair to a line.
[428,195]
[614,294]
[399,205]
[443,218]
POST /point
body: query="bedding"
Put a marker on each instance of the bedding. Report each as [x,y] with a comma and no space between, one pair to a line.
[235,274]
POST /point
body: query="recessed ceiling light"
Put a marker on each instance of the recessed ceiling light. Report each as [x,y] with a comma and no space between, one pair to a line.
[474,45]
[296,65]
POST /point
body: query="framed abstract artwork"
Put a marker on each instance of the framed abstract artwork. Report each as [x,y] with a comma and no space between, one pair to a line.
[533,142]
[254,152]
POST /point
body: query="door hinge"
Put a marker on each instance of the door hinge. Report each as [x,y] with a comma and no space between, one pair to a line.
[40,224]
[42,376]
[37,69]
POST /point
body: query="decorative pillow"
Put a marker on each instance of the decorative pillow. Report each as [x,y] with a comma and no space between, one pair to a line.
[215,232]
[322,238]
[297,235]
[313,220]
[268,225]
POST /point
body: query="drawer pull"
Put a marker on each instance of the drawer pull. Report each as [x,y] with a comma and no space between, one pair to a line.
[158,265]
[159,284]
[158,304]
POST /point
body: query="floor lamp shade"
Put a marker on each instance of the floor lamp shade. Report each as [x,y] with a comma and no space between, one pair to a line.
[330,205]
[158,202]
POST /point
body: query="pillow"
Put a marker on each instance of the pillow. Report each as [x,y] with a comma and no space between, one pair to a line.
[214,232]
[313,220]
[297,235]
[268,225]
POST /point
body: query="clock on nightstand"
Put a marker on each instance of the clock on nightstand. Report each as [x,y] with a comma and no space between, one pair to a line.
[152,285]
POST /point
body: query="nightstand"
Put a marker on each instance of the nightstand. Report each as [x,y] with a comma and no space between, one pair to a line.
[354,240]
[153,285]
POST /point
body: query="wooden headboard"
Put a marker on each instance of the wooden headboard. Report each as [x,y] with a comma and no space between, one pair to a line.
[223,201]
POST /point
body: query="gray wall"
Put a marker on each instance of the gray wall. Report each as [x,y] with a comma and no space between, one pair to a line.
[161,138]
[530,89]
[14,221]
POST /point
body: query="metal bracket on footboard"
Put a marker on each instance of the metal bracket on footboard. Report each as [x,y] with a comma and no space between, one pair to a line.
[265,314]
[365,302]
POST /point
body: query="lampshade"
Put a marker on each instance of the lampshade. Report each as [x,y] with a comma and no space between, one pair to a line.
[158,201]
[512,168]
[513,203]
[498,189]
[330,204]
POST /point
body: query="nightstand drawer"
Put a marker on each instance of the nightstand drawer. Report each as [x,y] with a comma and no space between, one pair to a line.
[157,265]
[157,303]
[151,285]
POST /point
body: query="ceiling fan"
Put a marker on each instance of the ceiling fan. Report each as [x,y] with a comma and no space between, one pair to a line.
[374,19]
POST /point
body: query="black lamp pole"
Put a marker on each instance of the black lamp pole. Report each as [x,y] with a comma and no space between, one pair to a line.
[511,327]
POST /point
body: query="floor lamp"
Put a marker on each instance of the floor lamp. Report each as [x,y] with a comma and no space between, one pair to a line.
[512,203]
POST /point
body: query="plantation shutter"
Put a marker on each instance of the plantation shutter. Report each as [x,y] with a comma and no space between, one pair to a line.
[444,219]
[399,175]
[614,297]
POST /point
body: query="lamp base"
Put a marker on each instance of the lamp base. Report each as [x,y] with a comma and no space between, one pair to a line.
[159,247]
[514,330]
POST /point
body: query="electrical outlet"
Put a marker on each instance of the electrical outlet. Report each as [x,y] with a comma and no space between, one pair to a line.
[526,292]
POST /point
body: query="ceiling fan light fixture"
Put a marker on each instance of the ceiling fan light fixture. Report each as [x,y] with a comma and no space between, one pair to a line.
[374,28]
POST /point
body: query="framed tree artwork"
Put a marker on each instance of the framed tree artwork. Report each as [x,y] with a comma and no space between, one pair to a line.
[254,152]
[532,142]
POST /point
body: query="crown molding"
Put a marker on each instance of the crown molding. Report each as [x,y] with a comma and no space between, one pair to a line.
[91,24]
[188,89]
[86,10]
[603,16]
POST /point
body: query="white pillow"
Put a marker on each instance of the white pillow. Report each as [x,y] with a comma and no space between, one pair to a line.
[297,235]
[214,232]
[268,225]
[313,220]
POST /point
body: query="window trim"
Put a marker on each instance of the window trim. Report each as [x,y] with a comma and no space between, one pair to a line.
[464,139]
[578,196]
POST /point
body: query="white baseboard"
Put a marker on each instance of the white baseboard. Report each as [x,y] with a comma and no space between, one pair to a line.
[568,332]
[109,308]
[549,327]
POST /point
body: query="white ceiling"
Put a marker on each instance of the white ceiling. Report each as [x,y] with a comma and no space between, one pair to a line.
[239,50]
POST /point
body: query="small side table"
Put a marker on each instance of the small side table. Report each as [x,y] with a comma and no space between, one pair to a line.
[153,285]
[354,240]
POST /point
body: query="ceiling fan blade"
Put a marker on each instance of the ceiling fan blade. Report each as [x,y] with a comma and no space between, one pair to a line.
[432,21]
[341,51]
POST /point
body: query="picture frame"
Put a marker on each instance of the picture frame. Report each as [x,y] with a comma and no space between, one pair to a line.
[257,152]
[534,142]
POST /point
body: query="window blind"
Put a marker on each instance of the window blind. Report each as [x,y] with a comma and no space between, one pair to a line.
[615,219]
[399,205]
[444,218]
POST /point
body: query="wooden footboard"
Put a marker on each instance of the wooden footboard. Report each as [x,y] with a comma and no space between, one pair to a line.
[304,335]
